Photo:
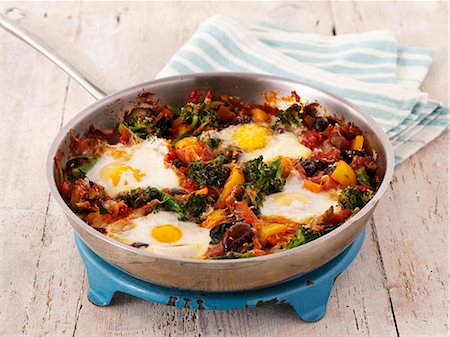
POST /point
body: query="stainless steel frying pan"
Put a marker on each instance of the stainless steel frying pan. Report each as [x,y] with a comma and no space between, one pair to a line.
[206,275]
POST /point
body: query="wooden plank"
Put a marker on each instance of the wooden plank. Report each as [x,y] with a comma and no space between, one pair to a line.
[37,288]
[33,94]
[411,222]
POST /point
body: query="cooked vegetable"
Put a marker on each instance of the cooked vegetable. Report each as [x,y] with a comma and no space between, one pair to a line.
[236,178]
[358,143]
[200,116]
[190,149]
[212,173]
[225,114]
[271,229]
[312,186]
[259,115]
[212,142]
[139,197]
[144,122]
[344,174]
[193,210]
[77,167]
[351,198]
[291,117]
[196,206]
[262,179]
[302,236]
[363,177]
[215,218]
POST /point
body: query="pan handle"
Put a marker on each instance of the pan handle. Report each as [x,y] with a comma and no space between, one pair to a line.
[37,34]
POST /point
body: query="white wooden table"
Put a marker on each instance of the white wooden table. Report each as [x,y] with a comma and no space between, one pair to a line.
[397,286]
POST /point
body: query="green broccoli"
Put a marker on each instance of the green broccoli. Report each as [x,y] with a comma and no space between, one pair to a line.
[200,116]
[212,173]
[212,142]
[289,117]
[262,179]
[196,206]
[140,196]
[192,210]
[302,236]
[367,196]
[144,124]
[77,167]
[363,177]
[351,198]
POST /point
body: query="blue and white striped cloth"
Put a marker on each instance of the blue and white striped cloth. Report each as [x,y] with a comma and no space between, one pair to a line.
[368,69]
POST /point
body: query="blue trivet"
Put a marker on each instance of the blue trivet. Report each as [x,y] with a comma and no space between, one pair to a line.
[308,294]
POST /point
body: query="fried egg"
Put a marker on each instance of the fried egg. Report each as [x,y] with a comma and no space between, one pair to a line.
[296,203]
[163,233]
[123,168]
[258,140]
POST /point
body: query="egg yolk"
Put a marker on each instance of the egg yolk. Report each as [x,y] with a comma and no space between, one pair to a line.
[115,170]
[166,233]
[252,137]
[288,198]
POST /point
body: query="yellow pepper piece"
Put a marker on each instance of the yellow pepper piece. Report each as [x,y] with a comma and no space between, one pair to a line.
[214,219]
[344,174]
[271,229]
[236,178]
[312,186]
[259,115]
[358,143]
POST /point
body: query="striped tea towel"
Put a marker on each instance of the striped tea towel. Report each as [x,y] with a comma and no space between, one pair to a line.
[368,69]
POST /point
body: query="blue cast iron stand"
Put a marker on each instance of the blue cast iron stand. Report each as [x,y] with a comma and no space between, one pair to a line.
[307,294]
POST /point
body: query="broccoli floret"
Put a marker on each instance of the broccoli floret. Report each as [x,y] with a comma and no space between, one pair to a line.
[144,123]
[262,179]
[302,236]
[289,117]
[363,177]
[352,198]
[140,196]
[196,206]
[200,116]
[212,173]
[77,167]
[212,142]
[367,196]
[193,210]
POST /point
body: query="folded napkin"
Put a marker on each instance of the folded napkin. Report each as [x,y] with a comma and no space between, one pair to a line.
[369,69]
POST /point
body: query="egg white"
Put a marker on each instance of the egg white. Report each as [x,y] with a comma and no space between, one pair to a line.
[146,158]
[193,243]
[279,145]
[304,203]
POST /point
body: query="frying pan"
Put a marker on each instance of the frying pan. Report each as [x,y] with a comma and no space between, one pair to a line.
[205,275]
